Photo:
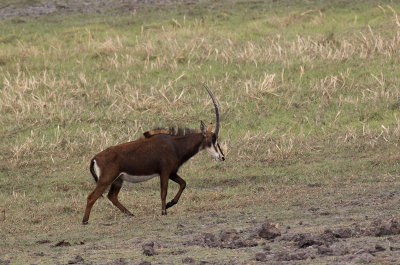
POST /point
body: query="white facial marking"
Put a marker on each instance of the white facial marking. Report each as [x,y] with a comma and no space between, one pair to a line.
[211,151]
[215,151]
[96,169]
[135,179]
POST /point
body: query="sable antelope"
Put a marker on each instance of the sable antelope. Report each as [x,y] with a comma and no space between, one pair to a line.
[159,152]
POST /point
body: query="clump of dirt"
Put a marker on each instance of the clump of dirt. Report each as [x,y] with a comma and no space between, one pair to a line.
[77,260]
[144,263]
[327,237]
[188,260]
[383,227]
[304,240]
[229,238]
[343,232]
[379,248]
[333,250]
[210,240]
[268,231]
[62,243]
[261,257]
[394,248]
[148,249]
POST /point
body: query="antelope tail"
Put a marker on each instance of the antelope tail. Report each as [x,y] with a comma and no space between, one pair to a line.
[96,178]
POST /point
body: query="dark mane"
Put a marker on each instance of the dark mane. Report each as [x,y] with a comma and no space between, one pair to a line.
[170,131]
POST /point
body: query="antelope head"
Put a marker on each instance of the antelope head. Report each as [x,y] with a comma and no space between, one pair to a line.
[211,138]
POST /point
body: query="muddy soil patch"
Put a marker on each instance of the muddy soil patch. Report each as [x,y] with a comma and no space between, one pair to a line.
[352,244]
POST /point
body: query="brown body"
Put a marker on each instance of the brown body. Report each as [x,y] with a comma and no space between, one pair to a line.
[160,153]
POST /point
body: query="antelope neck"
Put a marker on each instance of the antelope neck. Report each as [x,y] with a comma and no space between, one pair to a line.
[189,145]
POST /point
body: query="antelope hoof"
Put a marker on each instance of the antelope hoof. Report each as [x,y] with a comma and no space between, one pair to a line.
[130,214]
[170,204]
[164,212]
[85,222]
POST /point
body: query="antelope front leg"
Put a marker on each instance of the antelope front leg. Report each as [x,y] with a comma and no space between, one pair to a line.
[164,188]
[182,186]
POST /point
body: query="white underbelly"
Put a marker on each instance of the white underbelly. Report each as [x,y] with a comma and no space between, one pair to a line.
[135,179]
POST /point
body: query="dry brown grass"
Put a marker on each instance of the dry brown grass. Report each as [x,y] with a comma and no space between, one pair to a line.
[310,116]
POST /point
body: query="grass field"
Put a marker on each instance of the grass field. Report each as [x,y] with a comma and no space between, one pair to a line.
[310,126]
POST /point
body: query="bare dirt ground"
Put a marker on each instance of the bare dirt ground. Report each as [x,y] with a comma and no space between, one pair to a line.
[374,241]
[314,235]
[49,7]
[338,245]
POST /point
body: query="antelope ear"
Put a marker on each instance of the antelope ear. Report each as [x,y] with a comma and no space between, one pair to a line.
[209,128]
[203,128]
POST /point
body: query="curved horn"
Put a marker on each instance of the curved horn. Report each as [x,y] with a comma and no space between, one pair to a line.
[216,109]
